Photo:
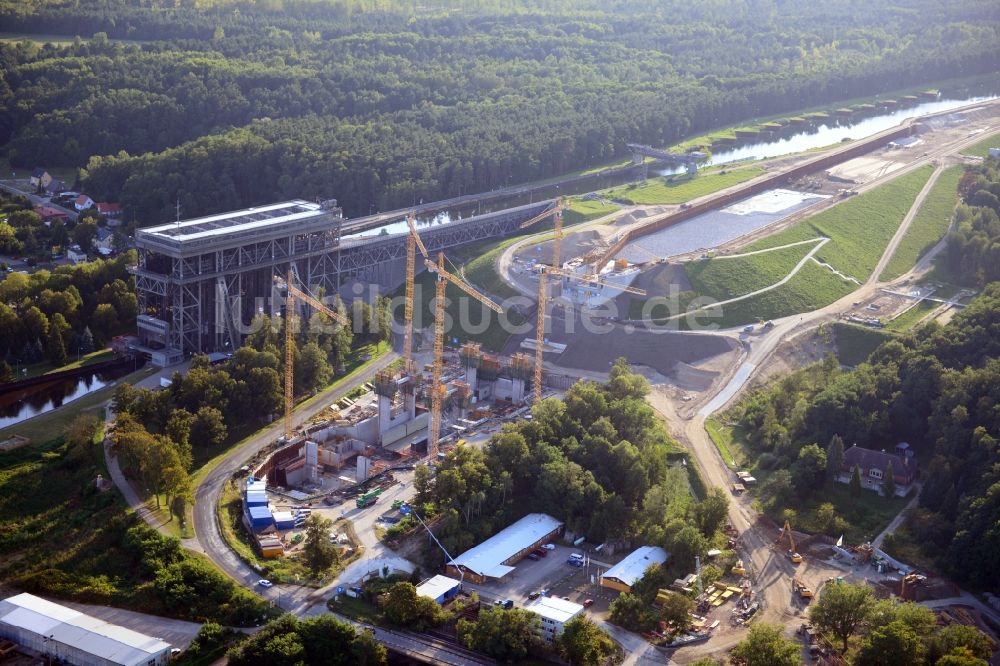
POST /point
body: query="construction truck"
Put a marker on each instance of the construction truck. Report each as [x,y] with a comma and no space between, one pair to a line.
[804,592]
[368,498]
[792,555]
[738,569]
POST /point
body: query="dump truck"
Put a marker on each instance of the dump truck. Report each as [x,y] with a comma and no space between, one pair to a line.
[368,498]
[804,592]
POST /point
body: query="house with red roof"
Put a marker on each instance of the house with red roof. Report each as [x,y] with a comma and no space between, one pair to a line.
[111,210]
[875,467]
[48,213]
[83,202]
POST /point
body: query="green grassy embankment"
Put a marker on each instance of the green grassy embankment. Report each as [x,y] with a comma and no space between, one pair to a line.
[928,226]
[859,228]
[982,149]
[683,188]
[812,287]
[912,317]
[856,343]
[722,278]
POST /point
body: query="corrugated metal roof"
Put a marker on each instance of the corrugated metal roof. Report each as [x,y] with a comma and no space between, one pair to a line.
[437,586]
[633,567]
[487,559]
[83,632]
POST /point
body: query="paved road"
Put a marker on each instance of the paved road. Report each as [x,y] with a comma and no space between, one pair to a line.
[37,200]
[207,494]
[773,571]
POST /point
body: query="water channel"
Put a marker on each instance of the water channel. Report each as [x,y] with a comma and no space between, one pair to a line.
[18,406]
[818,134]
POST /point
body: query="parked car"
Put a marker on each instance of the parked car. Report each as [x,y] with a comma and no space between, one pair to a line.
[533,557]
[587,603]
[263,582]
[534,595]
[540,552]
[506,604]
[549,546]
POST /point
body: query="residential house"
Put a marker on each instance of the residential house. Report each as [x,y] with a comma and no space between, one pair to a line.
[76,254]
[48,213]
[83,202]
[874,466]
[55,187]
[109,210]
[40,177]
[103,241]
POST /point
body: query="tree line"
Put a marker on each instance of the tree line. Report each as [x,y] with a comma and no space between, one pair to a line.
[934,388]
[868,632]
[234,104]
[599,460]
[54,314]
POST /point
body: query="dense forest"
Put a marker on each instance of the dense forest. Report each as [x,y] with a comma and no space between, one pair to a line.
[222,104]
[597,460]
[937,388]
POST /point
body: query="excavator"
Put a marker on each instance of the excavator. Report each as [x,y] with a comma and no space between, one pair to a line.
[792,555]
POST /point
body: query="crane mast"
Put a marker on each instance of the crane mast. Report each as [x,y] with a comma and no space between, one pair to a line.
[293,293]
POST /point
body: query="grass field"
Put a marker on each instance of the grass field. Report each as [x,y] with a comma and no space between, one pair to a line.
[911,317]
[928,226]
[859,228]
[682,188]
[61,536]
[723,278]
[866,516]
[982,149]
[726,439]
[810,288]
[856,343]
[584,211]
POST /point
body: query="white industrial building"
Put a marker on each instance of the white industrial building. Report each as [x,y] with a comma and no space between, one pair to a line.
[494,557]
[553,614]
[439,588]
[64,633]
[629,571]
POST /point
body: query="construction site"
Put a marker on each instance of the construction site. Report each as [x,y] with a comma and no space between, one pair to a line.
[201,283]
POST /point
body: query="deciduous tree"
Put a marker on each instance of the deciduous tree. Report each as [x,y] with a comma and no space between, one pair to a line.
[842,609]
[319,552]
[765,645]
[583,643]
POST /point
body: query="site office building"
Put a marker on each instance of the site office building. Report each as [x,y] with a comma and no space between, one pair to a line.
[201,282]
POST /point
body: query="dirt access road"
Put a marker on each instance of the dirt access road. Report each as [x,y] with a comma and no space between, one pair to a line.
[773,571]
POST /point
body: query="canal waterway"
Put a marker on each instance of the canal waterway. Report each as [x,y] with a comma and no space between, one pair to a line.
[18,406]
[817,134]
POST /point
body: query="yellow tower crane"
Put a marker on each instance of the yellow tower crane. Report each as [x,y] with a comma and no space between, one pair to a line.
[291,294]
[443,277]
[555,269]
[542,295]
[411,243]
